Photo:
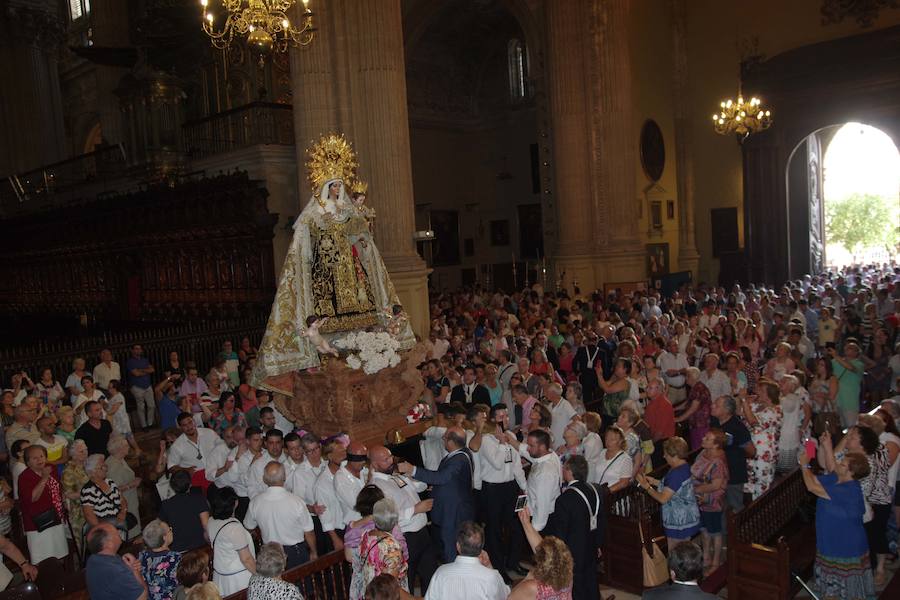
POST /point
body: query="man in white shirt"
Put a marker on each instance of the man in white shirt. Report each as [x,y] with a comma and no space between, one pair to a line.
[349,479]
[502,481]
[282,518]
[274,452]
[470,576]
[561,411]
[333,516]
[714,378]
[190,449]
[672,365]
[545,476]
[294,450]
[413,520]
[302,483]
[107,370]
[223,466]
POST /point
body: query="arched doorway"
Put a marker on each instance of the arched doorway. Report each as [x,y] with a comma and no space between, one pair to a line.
[474,107]
[811,89]
[842,189]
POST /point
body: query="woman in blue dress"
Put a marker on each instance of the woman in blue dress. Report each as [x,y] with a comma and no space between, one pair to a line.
[680,512]
[842,570]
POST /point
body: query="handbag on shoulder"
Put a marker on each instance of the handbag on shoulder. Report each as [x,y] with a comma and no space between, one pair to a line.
[45,520]
[656,566]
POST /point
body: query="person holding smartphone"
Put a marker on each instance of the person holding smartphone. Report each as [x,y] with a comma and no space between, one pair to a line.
[503,481]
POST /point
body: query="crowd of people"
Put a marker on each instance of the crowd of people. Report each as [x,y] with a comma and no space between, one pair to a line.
[538,400]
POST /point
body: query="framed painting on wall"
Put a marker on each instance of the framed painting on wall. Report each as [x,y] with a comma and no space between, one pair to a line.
[445,247]
[657,260]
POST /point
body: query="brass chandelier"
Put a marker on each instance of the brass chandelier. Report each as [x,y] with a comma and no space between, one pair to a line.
[741,118]
[264,23]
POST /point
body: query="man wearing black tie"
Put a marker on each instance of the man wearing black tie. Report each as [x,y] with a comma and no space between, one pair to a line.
[454,501]
[469,392]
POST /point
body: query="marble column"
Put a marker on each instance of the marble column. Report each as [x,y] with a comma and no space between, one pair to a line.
[31,114]
[568,60]
[352,79]
[688,256]
[614,150]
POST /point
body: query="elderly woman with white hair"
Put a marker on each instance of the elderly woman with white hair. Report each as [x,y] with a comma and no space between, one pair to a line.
[159,563]
[573,437]
[267,583]
[382,552]
[101,499]
[123,476]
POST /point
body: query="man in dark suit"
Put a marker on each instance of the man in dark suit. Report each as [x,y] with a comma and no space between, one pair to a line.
[540,343]
[583,364]
[454,500]
[578,520]
[685,568]
[469,392]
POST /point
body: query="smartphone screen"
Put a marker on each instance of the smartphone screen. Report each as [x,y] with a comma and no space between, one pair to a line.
[521,502]
[810,446]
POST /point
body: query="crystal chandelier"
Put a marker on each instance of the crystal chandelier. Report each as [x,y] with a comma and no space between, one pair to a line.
[741,118]
[264,23]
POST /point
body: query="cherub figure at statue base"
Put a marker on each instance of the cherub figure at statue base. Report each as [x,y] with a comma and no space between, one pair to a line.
[313,323]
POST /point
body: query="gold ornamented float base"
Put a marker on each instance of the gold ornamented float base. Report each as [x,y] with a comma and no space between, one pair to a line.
[337,398]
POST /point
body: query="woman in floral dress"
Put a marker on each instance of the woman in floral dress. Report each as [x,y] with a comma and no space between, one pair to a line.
[74,477]
[763,417]
[381,552]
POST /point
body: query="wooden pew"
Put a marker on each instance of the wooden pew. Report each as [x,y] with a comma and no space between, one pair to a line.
[327,578]
[771,538]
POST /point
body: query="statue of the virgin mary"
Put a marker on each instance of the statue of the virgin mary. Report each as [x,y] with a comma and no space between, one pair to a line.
[333,274]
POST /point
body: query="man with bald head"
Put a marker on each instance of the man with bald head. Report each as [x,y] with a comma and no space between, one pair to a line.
[351,478]
[423,559]
[282,518]
[108,575]
[454,500]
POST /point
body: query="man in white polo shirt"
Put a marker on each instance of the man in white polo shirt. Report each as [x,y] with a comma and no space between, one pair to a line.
[282,518]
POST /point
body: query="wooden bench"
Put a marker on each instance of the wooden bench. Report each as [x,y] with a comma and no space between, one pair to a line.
[327,578]
[768,541]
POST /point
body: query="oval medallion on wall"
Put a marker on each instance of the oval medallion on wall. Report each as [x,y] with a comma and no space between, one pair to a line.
[653,150]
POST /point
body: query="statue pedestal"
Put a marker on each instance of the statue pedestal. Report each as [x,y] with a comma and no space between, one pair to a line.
[337,398]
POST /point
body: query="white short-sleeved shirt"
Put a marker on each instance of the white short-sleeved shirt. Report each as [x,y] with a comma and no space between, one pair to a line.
[281,517]
[186,454]
[611,470]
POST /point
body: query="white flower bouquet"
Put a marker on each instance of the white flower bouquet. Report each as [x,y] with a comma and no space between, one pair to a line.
[370,351]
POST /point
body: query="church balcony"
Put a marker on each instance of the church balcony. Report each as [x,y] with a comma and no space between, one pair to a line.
[257,123]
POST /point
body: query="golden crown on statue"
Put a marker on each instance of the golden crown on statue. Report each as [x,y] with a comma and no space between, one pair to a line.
[332,157]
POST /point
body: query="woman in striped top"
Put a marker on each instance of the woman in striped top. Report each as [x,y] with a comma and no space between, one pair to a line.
[101,499]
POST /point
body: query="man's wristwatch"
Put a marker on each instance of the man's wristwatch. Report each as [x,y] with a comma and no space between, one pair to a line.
[23,563]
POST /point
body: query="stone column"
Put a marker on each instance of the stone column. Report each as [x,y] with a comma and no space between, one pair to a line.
[614,150]
[688,256]
[352,79]
[568,60]
[31,114]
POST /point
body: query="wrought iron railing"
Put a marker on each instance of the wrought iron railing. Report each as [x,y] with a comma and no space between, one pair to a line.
[249,125]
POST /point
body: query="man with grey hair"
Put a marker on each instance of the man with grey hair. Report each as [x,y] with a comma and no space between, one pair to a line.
[282,517]
[561,411]
[454,501]
[470,575]
[738,448]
